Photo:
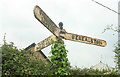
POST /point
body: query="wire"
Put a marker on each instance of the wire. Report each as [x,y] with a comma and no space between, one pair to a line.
[106,7]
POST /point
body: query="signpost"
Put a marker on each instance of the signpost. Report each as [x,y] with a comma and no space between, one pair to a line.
[41,16]
[45,43]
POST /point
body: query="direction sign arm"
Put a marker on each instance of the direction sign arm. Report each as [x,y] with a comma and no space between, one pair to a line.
[44,43]
[85,39]
[80,38]
[41,16]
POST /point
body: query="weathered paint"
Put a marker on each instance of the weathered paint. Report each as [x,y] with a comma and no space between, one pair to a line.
[51,26]
[45,20]
[62,34]
[85,39]
[81,38]
[45,43]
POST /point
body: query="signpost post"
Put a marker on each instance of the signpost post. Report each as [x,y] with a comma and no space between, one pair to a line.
[41,16]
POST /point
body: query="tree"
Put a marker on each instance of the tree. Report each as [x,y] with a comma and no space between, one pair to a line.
[117,46]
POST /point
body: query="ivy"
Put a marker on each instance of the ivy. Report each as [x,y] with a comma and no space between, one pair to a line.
[59,58]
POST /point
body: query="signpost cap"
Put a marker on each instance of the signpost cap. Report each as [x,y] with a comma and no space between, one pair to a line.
[61,25]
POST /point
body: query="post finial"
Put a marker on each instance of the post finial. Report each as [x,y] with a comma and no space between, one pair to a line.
[61,25]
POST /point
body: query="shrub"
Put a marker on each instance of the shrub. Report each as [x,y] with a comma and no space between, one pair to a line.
[19,62]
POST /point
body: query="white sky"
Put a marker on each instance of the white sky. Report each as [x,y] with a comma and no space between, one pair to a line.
[82,17]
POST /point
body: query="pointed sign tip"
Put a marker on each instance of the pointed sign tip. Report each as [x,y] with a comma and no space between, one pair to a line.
[36,6]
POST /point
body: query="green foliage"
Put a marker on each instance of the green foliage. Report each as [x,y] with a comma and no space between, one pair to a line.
[117,56]
[114,29]
[116,46]
[59,58]
[86,71]
[21,62]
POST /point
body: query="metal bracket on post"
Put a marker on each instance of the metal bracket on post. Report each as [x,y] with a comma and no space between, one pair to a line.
[61,28]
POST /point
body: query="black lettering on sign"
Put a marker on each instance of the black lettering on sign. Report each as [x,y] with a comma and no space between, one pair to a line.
[41,17]
[77,37]
[45,23]
[50,41]
[38,44]
[52,28]
[86,39]
[47,42]
[99,42]
[61,32]
[42,44]
[47,26]
[80,37]
[83,38]
[94,41]
[62,37]
[91,40]
[73,37]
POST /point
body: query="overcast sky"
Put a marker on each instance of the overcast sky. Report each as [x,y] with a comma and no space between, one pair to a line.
[83,17]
